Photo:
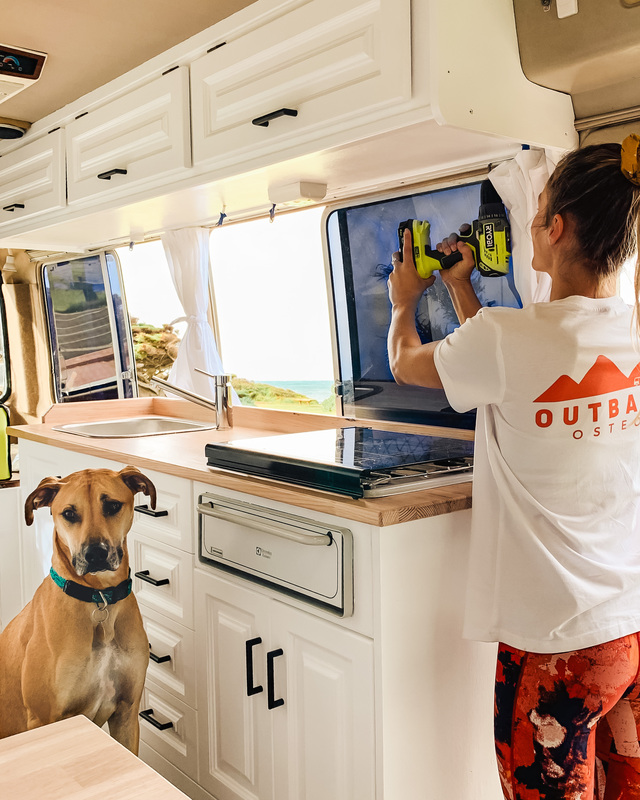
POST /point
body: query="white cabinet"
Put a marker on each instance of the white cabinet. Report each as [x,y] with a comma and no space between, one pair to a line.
[286,707]
[161,545]
[297,70]
[10,583]
[138,139]
[32,178]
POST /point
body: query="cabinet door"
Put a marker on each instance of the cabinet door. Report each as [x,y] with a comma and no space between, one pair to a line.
[32,178]
[333,63]
[235,737]
[325,743]
[134,140]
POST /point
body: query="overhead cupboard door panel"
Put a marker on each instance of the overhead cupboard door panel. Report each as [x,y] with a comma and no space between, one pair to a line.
[309,69]
[137,139]
[32,178]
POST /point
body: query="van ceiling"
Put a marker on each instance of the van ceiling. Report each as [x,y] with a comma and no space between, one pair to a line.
[92,42]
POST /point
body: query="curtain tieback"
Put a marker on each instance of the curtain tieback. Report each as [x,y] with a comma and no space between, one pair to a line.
[191,318]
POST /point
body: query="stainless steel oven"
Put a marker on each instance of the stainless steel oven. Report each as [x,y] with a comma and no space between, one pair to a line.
[295,555]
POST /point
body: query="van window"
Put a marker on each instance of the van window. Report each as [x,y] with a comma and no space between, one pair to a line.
[153,306]
[91,350]
[273,311]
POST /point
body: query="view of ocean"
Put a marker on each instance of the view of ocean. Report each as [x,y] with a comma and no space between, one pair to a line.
[316,390]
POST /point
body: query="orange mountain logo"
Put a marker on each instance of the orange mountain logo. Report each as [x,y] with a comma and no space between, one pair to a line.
[603,377]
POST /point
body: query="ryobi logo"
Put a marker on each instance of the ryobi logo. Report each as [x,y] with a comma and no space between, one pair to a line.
[489,237]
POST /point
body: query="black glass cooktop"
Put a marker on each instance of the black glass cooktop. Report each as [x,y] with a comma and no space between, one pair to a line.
[341,460]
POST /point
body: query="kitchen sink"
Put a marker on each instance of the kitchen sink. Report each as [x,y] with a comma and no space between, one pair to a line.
[133,427]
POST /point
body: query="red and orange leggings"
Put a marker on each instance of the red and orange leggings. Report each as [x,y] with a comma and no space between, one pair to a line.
[567,724]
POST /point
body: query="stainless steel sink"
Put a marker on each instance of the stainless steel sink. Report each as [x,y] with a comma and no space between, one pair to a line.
[133,427]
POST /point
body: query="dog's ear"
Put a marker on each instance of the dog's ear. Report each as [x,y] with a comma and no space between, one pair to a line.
[42,496]
[138,482]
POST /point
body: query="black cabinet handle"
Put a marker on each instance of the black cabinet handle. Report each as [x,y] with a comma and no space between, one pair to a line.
[266,119]
[157,659]
[161,726]
[13,206]
[272,701]
[106,176]
[249,645]
[151,512]
[144,576]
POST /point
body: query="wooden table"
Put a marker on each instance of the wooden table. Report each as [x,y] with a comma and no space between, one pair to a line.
[76,760]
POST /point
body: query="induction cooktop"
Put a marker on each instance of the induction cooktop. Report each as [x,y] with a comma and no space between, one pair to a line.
[352,461]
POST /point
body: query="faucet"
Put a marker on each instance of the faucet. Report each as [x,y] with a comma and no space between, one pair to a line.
[221,405]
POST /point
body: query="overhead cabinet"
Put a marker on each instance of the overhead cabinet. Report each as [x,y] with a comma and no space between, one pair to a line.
[32,178]
[297,70]
[137,139]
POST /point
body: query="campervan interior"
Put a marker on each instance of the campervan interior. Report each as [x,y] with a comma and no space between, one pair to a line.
[210,194]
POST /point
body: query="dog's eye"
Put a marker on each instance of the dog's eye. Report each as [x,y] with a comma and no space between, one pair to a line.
[70,514]
[111,507]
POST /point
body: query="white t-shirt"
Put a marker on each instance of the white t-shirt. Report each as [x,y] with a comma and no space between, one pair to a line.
[555,548]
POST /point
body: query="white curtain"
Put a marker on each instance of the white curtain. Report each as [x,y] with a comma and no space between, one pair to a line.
[519,181]
[187,253]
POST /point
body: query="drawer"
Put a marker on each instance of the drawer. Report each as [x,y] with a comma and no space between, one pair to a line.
[163,578]
[135,140]
[171,656]
[32,178]
[172,521]
[169,726]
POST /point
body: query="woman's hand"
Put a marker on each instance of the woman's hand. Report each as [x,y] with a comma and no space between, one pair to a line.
[463,269]
[406,287]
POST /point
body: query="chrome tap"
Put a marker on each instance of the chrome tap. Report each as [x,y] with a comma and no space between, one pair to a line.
[221,405]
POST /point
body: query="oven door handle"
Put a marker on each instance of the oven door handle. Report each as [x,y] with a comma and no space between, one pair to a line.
[268,526]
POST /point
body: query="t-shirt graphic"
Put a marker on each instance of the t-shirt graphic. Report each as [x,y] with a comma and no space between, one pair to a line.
[596,417]
[603,377]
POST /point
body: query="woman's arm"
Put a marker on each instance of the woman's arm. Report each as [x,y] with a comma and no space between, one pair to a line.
[411,361]
[457,279]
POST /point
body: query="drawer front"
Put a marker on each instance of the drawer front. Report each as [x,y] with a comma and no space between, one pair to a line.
[171,656]
[331,62]
[172,521]
[32,178]
[162,579]
[132,140]
[169,726]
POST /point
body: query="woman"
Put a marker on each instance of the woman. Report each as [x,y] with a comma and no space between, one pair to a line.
[555,551]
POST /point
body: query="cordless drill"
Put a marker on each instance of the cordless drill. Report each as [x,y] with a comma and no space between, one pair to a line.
[488,236]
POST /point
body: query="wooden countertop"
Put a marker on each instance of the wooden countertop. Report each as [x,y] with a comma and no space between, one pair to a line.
[182,454]
[75,760]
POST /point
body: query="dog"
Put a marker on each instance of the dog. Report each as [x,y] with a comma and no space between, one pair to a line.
[79,646]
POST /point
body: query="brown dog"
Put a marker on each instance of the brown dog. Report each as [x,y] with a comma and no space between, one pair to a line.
[79,646]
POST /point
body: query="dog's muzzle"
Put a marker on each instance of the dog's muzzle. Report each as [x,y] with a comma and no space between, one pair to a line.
[97,557]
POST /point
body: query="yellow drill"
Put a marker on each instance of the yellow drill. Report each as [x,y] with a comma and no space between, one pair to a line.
[488,236]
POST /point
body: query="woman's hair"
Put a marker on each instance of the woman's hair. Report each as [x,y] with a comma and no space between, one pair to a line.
[588,185]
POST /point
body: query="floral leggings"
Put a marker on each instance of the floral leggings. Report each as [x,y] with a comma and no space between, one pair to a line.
[567,724]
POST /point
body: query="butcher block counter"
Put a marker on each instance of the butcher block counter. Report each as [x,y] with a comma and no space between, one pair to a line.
[75,760]
[182,454]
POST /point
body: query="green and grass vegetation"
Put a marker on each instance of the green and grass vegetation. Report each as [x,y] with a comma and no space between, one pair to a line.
[156,350]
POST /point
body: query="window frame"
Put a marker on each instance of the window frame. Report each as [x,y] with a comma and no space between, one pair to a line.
[117,336]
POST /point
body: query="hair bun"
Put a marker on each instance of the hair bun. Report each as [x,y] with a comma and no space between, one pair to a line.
[629,158]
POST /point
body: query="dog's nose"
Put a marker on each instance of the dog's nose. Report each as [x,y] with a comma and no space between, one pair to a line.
[96,554]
